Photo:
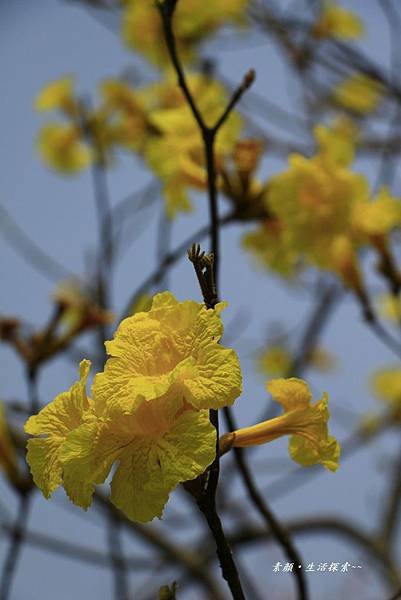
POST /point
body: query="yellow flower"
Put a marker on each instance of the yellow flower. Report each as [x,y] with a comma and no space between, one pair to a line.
[271,246]
[337,142]
[58,95]
[128,121]
[387,386]
[377,217]
[359,93]
[62,148]
[337,22]
[389,307]
[193,21]
[313,199]
[176,151]
[53,425]
[149,411]
[8,455]
[306,423]
[275,361]
[321,360]
[78,307]
[171,349]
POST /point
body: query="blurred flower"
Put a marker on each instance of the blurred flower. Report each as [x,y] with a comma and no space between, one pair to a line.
[389,307]
[176,153]
[79,310]
[337,141]
[337,22]
[275,361]
[8,454]
[378,216]
[149,411]
[387,386]
[359,93]
[270,243]
[58,95]
[61,147]
[306,423]
[193,21]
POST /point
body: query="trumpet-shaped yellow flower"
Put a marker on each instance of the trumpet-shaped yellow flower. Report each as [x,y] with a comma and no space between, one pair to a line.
[149,411]
[337,22]
[359,93]
[58,95]
[306,423]
[61,147]
[193,21]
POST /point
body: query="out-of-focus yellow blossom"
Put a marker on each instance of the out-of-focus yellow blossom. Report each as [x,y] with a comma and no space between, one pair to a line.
[238,179]
[389,307]
[377,217]
[369,425]
[344,262]
[193,21]
[321,359]
[176,154]
[128,124]
[387,386]
[58,95]
[337,142]
[149,411]
[8,455]
[313,199]
[78,308]
[337,22]
[275,361]
[359,93]
[305,422]
[311,206]
[270,244]
[61,147]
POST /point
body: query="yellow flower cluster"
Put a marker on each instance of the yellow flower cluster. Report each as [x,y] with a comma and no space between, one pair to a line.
[194,20]
[148,411]
[276,360]
[153,121]
[305,423]
[336,22]
[359,94]
[322,213]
